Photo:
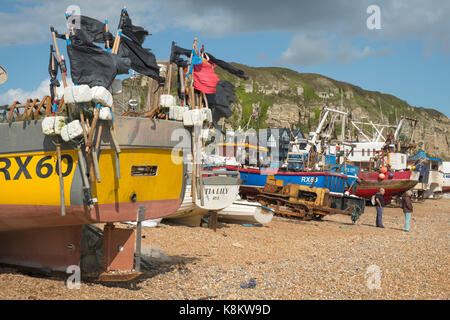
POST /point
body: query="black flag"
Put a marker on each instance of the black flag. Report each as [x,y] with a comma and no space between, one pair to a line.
[228,67]
[93,66]
[142,60]
[175,53]
[135,33]
[91,30]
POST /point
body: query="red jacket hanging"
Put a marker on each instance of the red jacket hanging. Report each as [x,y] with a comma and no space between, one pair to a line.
[205,79]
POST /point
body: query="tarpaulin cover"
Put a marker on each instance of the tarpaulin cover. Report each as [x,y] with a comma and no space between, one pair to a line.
[142,60]
[205,79]
[220,102]
[93,66]
[421,155]
[135,33]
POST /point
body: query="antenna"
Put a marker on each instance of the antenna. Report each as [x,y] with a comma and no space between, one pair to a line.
[3,75]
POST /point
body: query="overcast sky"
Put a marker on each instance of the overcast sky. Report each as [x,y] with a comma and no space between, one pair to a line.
[408,57]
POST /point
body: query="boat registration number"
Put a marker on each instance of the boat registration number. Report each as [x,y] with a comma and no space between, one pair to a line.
[29,167]
[309,180]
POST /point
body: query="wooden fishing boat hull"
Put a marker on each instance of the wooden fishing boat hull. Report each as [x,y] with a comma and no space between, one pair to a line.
[366,189]
[29,184]
[219,192]
[369,184]
[34,233]
[335,182]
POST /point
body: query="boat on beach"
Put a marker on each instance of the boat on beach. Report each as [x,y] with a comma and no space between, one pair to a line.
[252,177]
[220,190]
[370,183]
[430,176]
[30,207]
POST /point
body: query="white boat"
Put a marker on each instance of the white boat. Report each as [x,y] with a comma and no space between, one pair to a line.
[220,190]
[431,176]
[242,211]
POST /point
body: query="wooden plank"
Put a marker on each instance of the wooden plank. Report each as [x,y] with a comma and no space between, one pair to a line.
[61,104]
[38,108]
[13,107]
[48,107]
[25,112]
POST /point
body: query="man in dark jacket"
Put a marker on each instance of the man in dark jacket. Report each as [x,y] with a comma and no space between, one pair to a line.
[407,208]
[379,204]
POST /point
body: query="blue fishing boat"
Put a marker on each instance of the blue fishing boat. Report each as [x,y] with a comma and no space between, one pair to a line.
[334,181]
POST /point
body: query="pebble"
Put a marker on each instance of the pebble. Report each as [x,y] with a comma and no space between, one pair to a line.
[288,259]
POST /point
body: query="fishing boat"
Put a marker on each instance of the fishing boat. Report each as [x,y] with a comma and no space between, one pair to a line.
[379,162]
[370,183]
[76,158]
[256,177]
[301,166]
[430,176]
[30,207]
[377,168]
[220,190]
[70,161]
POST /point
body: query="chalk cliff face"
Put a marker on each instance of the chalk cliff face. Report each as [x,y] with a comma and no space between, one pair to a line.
[278,97]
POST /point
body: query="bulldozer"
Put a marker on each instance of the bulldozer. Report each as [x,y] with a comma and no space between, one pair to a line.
[306,203]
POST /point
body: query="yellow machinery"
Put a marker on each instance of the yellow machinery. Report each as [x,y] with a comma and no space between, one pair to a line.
[306,203]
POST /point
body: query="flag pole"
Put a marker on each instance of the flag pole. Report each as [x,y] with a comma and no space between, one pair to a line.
[115,48]
[170,77]
[194,160]
[106,30]
[58,142]
[58,57]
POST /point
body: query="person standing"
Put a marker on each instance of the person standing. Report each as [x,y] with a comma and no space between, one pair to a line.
[407,208]
[379,204]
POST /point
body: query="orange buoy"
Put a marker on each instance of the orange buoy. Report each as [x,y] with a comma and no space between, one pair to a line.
[383,170]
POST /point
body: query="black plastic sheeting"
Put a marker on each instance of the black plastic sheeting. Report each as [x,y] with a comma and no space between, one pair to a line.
[135,33]
[220,102]
[131,55]
[175,53]
[92,30]
[142,60]
[93,66]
